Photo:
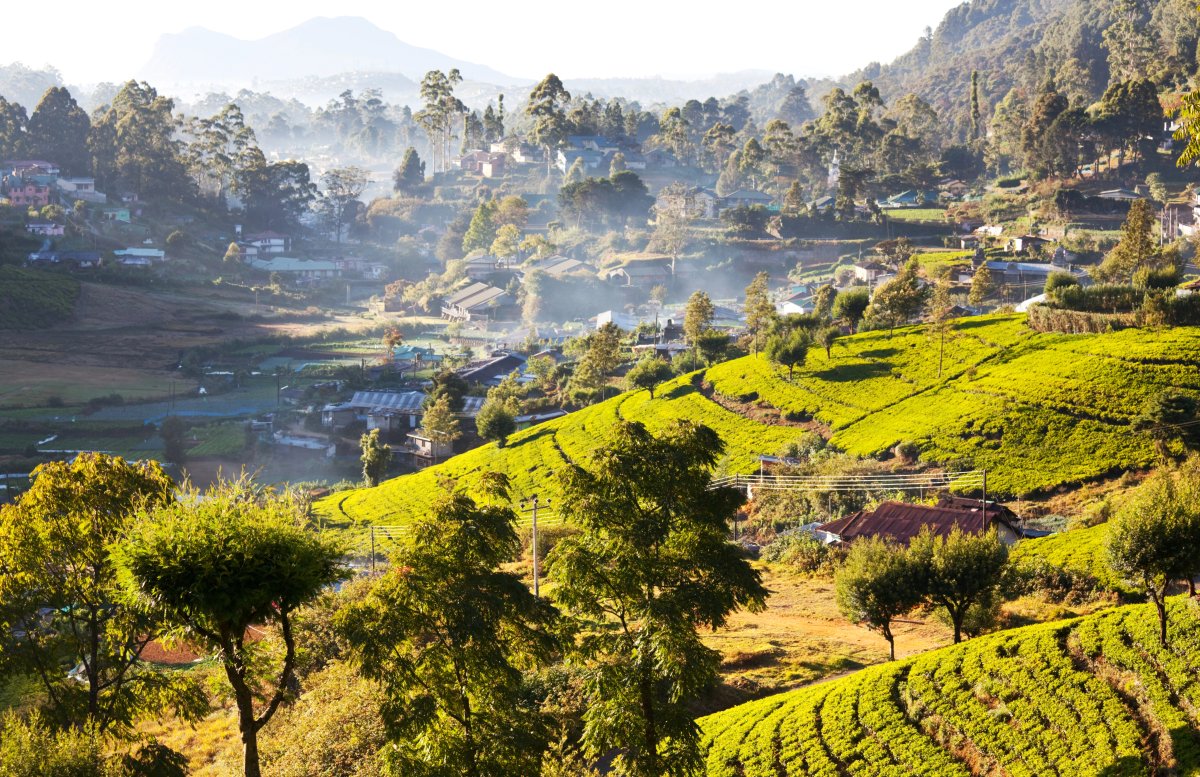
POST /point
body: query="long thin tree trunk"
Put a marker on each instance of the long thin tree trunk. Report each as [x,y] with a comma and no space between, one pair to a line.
[649,730]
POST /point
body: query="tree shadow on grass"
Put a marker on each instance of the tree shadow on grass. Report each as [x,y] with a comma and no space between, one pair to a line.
[540,433]
[879,353]
[848,373]
[679,392]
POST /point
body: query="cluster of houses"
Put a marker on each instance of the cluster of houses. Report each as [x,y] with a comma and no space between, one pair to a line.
[398,415]
[36,183]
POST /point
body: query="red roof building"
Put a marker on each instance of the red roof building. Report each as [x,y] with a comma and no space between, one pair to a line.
[900,522]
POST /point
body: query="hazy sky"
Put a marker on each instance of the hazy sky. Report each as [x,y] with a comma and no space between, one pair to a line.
[90,41]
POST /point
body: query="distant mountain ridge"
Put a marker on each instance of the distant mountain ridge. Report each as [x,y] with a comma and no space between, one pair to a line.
[319,47]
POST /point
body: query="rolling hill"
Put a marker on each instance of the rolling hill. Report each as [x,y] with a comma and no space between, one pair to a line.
[1093,696]
[1037,411]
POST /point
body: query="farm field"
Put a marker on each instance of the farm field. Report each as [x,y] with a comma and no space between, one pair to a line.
[1036,411]
[31,299]
[1097,695]
[916,214]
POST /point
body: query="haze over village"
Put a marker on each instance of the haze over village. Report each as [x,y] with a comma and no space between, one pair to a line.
[564,393]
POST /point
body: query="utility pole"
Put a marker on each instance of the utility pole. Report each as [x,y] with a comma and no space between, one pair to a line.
[533,541]
[372,551]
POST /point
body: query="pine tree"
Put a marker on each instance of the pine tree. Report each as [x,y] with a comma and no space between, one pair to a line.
[411,172]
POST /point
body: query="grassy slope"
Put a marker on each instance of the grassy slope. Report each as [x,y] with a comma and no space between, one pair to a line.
[1036,411]
[30,299]
[1091,696]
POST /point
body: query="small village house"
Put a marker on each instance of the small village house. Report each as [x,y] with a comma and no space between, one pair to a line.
[900,522]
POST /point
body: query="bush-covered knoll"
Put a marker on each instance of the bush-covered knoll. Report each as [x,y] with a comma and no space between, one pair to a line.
[1080,552]
[30,299]
[1097,695]
[1035,410]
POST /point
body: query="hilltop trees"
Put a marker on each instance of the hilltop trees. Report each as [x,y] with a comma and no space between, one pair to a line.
[411,172]
[982,285]
[546,109]
[13,121]
[697,316]
[851,305]
[218,147]
[134,146]
[60,597]
[650,568]
[437,116]
[648,374]
[447,634]
[214,567]
[1137,247]
[440,424]
[760,311]
[339,203]
[496,420]
[899,299]
[599,202]
[58,130]
[789,348]
[273,194]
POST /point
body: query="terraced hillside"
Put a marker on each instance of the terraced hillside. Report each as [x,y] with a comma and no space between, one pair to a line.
[1094,696]
[1035,410]
[32,299]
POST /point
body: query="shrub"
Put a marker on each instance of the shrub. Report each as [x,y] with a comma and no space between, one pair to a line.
[804,553]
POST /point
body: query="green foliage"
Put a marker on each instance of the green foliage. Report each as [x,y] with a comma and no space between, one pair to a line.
[411,172]
[212,567]
[31,748]
[1036,410]
[958,571]
[1155,538]
[878,583]
[496,421]
[900,299]
[440,423]
[481,233]
[333,728]
[648,374]
[1059,280]
[32,299]
[712,345]
[652,551]
[802,552]
[60,602]
[445,633]
[788,348]
[1061,698]
[850,306]
[376,455]
[1081,553]
[697,316]
[1137,248]
[760,311]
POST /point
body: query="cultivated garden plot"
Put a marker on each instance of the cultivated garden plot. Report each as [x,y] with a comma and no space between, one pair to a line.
[1037,411]
[1098,695]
